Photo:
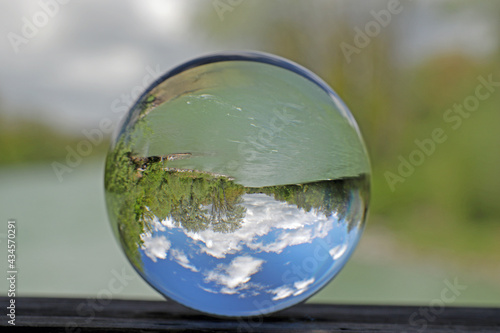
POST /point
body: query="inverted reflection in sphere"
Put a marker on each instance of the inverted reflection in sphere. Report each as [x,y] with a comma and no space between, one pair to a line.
[238,184]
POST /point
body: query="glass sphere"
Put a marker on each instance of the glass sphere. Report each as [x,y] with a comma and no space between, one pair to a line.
[238,184]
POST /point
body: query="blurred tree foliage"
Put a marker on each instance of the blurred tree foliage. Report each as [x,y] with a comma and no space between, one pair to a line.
[449,204]
[25,140]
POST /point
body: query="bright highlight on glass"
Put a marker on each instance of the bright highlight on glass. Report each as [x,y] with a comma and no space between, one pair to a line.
[238,184]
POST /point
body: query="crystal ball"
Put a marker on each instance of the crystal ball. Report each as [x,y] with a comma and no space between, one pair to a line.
[238,184]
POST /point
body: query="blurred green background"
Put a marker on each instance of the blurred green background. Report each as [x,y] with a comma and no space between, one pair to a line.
[403,70]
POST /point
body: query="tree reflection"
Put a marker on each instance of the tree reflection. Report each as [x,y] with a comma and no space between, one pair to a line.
[326,197]
[143,191]
[194,200]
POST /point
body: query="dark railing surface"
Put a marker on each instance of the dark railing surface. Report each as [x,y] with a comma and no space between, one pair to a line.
[90,315]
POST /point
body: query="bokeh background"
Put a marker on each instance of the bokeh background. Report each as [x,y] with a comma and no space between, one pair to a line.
[63,81]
